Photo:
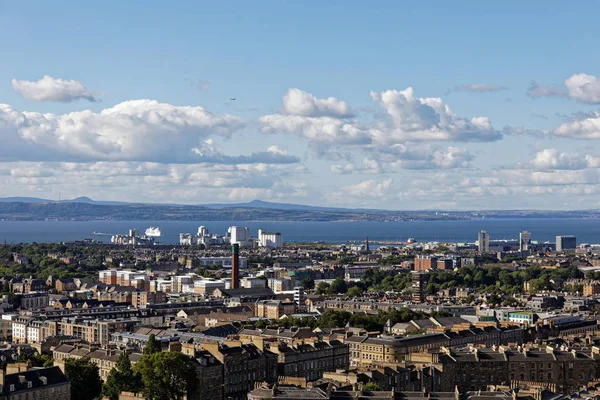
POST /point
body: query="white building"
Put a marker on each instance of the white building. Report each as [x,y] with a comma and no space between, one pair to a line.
[270,239]
[239,234]
[186,239]
[202,231]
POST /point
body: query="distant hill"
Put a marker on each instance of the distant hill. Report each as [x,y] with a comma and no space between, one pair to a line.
[24,200]
[282,206]
[255,204]
[84,208]
[37,200]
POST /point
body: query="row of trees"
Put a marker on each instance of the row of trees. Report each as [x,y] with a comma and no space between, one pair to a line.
[489,279]
[41,266]
[339,319]
[158,375]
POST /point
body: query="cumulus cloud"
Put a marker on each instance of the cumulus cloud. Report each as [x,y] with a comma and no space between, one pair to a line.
[137,130]
[587,128]
[476,88]
[418,156]
[368,166]
[53,89]
[553,159]
[428,119]
[318,129]
[299,102]
[408,118]
[581,87]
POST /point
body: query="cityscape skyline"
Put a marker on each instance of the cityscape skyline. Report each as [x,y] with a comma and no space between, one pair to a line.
[456,107]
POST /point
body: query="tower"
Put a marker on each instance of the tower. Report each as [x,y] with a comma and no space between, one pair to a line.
[367,244]
[524,241]
[418,286]
[483,240]
[235,266]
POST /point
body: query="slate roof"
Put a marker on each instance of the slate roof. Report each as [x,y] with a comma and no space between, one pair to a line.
[39,377]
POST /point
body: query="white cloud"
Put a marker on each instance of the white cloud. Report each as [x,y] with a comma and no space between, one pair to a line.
[136,130]
[150,182]
[428,119]
[53,89]
[368,166]
[419,156]
[318,129]
[409,118]
[553,159]
[587,128]
[370,188]
[581,87]
[299,102]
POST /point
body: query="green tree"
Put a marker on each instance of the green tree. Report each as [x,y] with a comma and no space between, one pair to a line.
[354,291]
[371,387]
[153,345]
[334,319]
[262,324]
[85,378]
[323,288]
[338,285]
[122,379]
[167,376]
[308,283]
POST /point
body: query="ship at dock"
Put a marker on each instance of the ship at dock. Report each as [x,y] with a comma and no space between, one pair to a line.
[153,232]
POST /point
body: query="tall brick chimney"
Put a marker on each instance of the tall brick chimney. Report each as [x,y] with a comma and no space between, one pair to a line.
[235,266]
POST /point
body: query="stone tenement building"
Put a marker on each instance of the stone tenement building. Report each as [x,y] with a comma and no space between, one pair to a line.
[104,359]
[22,382]
[310,360]
[255,359]
[241,364]
[559,370]
[386,350]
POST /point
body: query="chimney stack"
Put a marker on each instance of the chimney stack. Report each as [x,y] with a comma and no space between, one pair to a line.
[235,266]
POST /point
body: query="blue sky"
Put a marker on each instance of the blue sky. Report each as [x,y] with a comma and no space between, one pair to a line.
[322,113]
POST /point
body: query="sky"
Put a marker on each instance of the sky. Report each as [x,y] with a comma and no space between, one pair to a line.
[394,105]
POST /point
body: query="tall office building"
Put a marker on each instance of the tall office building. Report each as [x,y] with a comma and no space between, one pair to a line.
[566,243]
[524,241]
[419,280]
[483,240]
